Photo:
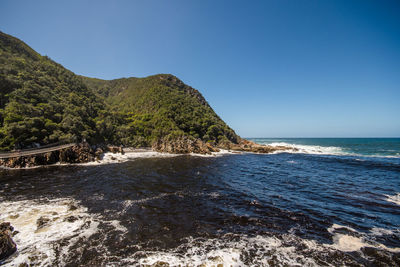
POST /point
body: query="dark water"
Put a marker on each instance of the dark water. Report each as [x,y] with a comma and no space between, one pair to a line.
[240,210]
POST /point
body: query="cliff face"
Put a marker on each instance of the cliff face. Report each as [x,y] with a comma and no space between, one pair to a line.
[41,102]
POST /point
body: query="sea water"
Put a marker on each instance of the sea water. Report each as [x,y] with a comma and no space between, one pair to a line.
[332,202]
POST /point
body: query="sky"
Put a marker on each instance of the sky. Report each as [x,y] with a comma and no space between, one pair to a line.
[268,68]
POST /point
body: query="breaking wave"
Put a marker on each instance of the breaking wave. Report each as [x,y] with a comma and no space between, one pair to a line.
[394,198]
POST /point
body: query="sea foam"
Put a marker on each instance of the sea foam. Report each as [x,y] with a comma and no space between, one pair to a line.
[354,240]
[64,219]
[65,224]
[310,149]
[394,198]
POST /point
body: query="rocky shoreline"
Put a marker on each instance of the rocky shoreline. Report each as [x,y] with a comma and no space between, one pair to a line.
[84,153]
[185,145]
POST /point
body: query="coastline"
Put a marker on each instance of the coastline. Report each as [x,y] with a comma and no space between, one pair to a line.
[86,154]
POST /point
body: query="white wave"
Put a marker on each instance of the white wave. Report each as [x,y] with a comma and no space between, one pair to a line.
[215,154]
[321,150]
[376,231]
[309,149]
[64,219]
[354,241]
[265,251]
[130,202]
[394,199]
[109,157]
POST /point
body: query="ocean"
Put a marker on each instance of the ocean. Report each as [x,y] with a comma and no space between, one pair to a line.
[333,202]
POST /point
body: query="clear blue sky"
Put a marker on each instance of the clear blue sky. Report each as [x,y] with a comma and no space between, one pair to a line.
[268,68]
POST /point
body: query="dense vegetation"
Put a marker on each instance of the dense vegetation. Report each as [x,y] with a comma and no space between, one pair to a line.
[154,107]
[42,102]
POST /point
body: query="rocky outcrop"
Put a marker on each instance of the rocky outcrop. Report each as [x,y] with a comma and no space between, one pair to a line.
[7,245]
[183,145]
[249,146]
[80,153]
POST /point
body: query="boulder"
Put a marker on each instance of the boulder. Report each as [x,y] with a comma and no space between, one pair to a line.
[7,245]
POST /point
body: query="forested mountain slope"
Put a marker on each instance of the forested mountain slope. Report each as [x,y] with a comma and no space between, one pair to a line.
[42,102]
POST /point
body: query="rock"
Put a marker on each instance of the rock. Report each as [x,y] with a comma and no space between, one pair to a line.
[249,146]
[7,245]
[116,149]
[98,153]
[42,222]
[71,219]
[72,207]
[160,264]
[6,226]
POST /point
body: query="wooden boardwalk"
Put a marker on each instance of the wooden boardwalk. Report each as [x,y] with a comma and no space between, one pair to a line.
[36,151]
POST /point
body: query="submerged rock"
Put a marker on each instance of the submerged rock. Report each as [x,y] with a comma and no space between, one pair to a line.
[42,222]
[7,245]
[71,219]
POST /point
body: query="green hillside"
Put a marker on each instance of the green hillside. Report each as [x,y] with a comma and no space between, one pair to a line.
[42,102]
[158,106]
